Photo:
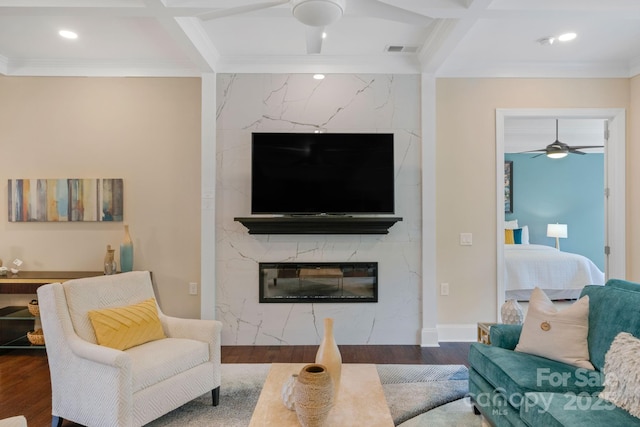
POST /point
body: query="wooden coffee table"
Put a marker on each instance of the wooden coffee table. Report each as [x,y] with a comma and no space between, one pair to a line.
[360,401]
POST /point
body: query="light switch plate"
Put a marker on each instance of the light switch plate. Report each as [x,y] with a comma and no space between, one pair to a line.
[466,239]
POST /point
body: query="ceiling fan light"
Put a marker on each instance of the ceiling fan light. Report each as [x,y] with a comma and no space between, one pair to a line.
[557,154]
[318,13]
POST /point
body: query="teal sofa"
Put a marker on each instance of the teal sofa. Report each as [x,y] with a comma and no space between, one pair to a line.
[517,389]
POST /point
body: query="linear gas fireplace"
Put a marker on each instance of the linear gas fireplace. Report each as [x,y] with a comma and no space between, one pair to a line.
[319,282]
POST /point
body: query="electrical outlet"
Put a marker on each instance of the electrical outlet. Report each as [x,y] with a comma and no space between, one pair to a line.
[444,289]
[193,288]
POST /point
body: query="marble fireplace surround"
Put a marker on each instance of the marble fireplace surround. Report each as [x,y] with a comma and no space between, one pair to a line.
[348,103]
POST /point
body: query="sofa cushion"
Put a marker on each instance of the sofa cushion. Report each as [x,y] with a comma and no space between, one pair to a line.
[159,360]
[559,335]
[518,373]
[492,402]
[570,409]
[622,374]
[125,327]
[613,309]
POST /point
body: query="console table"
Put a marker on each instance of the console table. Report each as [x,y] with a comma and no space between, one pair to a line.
[15,321]
[26,282]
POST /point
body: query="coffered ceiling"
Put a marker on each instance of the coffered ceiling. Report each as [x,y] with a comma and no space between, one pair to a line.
[446,38]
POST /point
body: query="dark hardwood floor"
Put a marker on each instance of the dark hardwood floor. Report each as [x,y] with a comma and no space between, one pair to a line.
[25,387]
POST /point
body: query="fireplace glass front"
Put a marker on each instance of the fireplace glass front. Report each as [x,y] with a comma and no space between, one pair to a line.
[319,282]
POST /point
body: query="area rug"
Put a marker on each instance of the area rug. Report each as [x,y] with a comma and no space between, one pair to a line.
[410,390]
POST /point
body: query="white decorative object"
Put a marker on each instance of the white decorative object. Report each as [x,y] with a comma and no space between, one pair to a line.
[288,389]
[621,368]
[3,271]
[511,312]
[17,262]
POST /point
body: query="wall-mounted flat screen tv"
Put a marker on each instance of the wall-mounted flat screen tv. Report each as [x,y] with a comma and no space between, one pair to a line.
[322,173]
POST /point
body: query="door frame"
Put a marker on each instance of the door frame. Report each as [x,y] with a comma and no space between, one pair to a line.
[615,203]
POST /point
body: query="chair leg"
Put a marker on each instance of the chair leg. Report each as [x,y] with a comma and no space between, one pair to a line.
[215,394]
[56,421]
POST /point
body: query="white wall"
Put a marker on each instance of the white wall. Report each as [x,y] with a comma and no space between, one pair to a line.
[340,103]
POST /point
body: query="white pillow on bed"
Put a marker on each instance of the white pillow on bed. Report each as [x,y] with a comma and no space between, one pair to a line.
[511,225]
[525,234]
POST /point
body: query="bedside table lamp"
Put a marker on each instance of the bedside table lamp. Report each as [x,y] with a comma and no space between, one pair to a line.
[558,231]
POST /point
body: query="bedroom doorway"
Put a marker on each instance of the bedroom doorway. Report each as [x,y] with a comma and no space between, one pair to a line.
[614,167]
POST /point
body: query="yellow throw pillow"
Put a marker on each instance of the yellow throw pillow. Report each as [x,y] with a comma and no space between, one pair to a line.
[558,335]
[508,237]
[125,327]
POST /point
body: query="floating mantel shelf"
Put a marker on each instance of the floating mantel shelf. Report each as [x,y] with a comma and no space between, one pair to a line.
[318,224]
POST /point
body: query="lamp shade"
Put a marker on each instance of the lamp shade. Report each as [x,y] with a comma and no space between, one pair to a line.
[557,230]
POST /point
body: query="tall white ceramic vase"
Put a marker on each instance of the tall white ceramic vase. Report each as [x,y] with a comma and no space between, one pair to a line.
[329,355]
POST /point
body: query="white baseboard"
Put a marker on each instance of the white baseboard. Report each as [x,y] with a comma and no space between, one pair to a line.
[429,338]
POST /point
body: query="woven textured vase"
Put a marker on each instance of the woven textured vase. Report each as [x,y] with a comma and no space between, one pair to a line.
[511,312]
[329,355]
[313,395]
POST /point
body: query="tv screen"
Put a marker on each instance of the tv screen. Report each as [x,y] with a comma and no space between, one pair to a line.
[322,173]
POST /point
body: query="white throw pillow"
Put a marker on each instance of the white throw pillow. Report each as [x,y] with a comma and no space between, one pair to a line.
[558,335]
[622,373]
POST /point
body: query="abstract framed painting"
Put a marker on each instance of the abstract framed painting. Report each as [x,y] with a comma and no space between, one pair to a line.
[65,200]
[508,186]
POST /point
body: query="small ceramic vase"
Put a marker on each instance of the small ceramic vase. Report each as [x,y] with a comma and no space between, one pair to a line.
[110,266]
[511,312]
[288,389]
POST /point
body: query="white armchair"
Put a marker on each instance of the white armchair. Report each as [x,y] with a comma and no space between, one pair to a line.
[94,385]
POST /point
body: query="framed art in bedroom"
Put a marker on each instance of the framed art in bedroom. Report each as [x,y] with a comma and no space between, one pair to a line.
[508,186]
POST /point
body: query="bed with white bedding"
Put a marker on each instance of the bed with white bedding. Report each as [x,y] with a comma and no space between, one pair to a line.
[561,275]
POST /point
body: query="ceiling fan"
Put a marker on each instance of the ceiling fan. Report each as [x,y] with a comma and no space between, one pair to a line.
[558,150]
[318,14]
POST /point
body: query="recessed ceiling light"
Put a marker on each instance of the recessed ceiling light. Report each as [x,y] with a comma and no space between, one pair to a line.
[324,35]
[318,76]
[567,37]
[68,34]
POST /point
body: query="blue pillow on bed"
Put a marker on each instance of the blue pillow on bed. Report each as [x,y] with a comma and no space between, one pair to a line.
[513,236]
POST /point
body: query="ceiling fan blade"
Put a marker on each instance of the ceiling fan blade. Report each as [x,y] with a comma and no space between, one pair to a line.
[542,150]
[584,147]
[537,155]
[223,13]
[378,9]
[314,39]
[572,151]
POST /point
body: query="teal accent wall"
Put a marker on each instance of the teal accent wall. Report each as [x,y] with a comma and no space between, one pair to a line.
[567,191]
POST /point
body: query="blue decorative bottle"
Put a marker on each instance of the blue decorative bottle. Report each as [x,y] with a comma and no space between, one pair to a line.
[126,252]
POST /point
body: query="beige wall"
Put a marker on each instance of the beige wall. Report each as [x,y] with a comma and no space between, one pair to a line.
[633,178]
[144,130]
[466,170]
[147,131]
